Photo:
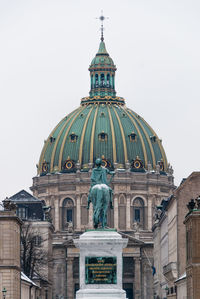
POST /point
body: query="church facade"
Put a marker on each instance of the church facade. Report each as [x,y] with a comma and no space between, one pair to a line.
[103,127]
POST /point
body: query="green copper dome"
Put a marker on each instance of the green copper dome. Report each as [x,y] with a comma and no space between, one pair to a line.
[102,57]
[102,127]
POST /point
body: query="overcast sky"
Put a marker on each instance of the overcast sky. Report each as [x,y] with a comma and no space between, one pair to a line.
[45,49]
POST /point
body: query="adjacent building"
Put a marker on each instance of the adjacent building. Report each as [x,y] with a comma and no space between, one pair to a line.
[192,223]
[10,271]
[170,240]
[38,229]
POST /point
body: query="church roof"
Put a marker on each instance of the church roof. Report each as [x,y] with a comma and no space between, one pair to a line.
[102,126]
[24,196]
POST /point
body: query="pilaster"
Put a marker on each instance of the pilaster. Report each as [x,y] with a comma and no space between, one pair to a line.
[128,213]
[149,212]
[70,282]
[116,212]
[137,284]
[57,216]
[78,212]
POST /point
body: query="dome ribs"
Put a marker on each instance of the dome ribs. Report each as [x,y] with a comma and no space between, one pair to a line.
[147,137]
[92,136]
[65,137]
[47,143]
[123,136]
[113,136]
[159,144]
[140,136]
[58,138]
[83,135]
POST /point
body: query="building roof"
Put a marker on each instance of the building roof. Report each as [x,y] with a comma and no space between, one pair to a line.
[102,127]
[26,279]
[24,196]
[184,276]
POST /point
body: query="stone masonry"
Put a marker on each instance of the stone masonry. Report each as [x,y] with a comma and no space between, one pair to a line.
[10,254]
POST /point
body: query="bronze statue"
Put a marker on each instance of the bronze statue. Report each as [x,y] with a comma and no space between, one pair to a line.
[100,194]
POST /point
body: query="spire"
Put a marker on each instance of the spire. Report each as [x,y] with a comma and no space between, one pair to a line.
[102,70]
[102,19]
[102,49]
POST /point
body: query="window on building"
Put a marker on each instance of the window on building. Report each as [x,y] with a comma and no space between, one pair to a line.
[102,80]
[132,137]
[103,136]
[137,215]
[22,213]
[138,210]
[73,136]
[96,80]
[108,80]
[38,240]
[69,215]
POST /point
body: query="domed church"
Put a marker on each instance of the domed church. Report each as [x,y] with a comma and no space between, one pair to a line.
[103,127]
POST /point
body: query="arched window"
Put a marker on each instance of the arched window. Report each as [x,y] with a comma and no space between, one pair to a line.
[113,82]
[103,136]
[91,81]
[108,80]
[138,212]
[102,80]
[96,80]
[67,213]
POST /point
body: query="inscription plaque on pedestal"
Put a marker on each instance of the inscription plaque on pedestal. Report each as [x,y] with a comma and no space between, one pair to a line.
[101,270]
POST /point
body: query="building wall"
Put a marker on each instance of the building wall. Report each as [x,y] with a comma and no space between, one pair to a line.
[44,229]
[10,254]
[189,189]
[182,289]
[192,222]
[164,254]
[174,211]
[25,290]
[132,191]
[150,187]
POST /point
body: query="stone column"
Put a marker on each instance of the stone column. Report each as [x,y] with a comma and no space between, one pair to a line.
[70,282]
[116,212]
[128,212]
[57,212]
[137,280]
[149,211]
[78,212]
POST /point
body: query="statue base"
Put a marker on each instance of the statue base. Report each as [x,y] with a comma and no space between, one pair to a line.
[100,264]
[100,294]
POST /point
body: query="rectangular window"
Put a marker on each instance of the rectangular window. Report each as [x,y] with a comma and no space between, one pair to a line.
[21,213]
[69,215]
[137,215]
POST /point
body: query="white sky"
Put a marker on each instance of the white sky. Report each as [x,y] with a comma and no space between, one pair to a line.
[45,50]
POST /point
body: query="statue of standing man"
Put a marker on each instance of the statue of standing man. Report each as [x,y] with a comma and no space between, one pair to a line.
[100,194]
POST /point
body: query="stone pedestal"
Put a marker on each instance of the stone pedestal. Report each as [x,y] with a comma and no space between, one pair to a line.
[101,261]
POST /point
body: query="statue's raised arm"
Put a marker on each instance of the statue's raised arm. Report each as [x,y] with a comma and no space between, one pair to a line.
[100,194]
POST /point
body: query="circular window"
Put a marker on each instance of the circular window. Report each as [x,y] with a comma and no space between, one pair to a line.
[137,164]
[69,164]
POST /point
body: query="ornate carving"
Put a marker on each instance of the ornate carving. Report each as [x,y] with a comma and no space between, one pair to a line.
[9,205]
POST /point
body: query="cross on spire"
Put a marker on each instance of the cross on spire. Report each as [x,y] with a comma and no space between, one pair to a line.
[102,19]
